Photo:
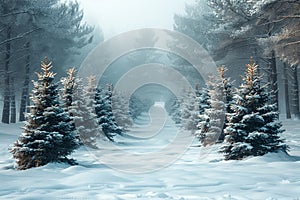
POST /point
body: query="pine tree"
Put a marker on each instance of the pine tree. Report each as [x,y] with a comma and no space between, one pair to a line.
[202,98]
[77,101]
[103,108]
[253,128]
[173,108]
[212,121]
[68,88]
[228,96]
[47,135]
[136,107]
[204,121]
[120,110]
[190,112]
[83,112]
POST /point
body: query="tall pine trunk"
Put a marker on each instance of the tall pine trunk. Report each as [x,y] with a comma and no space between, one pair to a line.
[13,102]
[6,105]
[274,79]
[25,91]
[296,107]
[273,67]
[286,91]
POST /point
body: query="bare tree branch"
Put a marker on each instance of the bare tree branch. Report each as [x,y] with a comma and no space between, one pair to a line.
[291,43]
[291,16]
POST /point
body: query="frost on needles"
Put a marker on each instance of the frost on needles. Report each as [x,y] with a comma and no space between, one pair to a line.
[253,127]
[48,136]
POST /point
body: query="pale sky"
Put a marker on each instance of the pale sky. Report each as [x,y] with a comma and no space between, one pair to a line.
[116,16]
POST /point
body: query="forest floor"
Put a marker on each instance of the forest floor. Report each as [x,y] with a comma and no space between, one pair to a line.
[200,173]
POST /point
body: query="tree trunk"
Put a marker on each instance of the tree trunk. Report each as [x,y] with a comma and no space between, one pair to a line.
[273,68]
[286,90]
[257,60]
[6,105]
[296,110]
[25,91]
[13,102]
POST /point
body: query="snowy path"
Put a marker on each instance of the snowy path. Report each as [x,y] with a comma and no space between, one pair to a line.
[196,175]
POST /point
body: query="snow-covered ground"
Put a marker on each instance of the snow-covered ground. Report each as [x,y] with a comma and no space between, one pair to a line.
[199,174]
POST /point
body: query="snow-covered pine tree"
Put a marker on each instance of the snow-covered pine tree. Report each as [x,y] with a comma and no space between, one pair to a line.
[190,112]
[67,93]
[173,108]
[83,112]
[103,108]
[120,110]
[68,88]
[228,89]
[203,101]
[136,107]
[47,135]
[253,129]
[202,98]
[212,121]
[228,96]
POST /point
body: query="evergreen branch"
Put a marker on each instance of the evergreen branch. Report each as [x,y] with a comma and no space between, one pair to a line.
[14,13]
[20,36]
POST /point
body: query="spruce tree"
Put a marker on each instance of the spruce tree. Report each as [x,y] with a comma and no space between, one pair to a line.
[68,88]
[203,102]
[173,108]
[120,110]
[136,107]
[67,92]
[203,99]
[83,111]
[47,135]
[253,128]
[190,112]
[228,88]
[228,96]
[103,108]
[212,121]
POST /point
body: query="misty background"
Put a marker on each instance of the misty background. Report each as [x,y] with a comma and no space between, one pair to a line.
[117,16]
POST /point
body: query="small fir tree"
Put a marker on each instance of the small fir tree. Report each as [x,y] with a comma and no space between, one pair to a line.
[137,106]
[78,101]
[173,108]
[68,88]
[190,112]
[204,122]
[47,135]
[120,110]
[212,121]
[228,97]
[103,108]
[67,93]
[228,88]
[202,98]
[253,128]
